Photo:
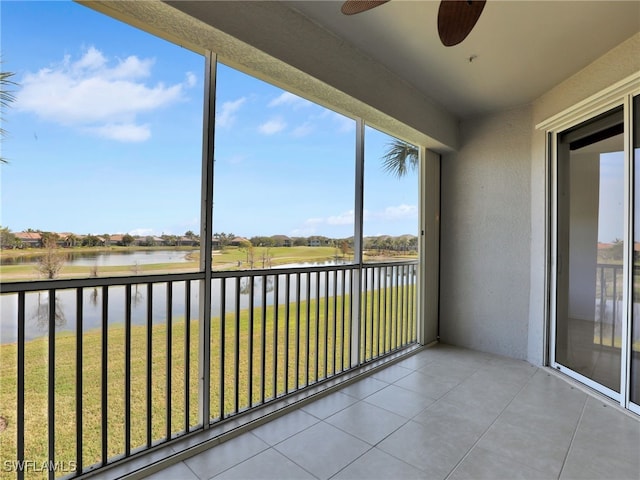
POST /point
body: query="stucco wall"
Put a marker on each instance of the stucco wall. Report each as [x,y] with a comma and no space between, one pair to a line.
[485,243]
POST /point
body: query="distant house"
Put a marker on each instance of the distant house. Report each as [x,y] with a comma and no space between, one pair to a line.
[282,241]
[239,241]
[29,239]
[187,242]
[318,241]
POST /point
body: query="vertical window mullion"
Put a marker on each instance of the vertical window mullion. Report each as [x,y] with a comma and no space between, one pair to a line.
[206,233]
[358,242]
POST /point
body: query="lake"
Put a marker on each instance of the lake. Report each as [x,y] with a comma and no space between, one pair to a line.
[110,259]
[37,303]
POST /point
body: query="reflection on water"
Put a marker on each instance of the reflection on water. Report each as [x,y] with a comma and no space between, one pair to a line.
[41,312]
[111,258]
[93,303]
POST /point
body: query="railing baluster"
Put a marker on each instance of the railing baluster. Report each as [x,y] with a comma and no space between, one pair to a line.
[79,370]
[149,363]
[317,327]
[614,309]
[127,372]
[326,325]
[363,315]
[51,384]
[297,355]
[250,346]
[386,339]
[343,290]
[20,384]
[187,354]
[263,340]
[403,296]
[603,300]
[105,357]
[223,343]
[287,300]
[371,271]
[237,349]
[169,355]
[274,373]
[398,303]
[347,358]
[308,339]
[414,313]
[335,318]
[375,307]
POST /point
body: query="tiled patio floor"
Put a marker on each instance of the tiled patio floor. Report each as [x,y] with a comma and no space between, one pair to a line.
[443,413]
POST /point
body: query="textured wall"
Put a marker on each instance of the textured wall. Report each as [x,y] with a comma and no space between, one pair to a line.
[486,235]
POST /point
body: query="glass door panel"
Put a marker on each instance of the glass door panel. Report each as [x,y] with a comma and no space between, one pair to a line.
[634,391]
[589,305]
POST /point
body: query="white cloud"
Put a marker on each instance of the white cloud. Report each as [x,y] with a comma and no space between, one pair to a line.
[123,132]
[345,218]
[142,232]
[235,159]
[345,124]
[226,116]
[191,79]
[289,99]
[272,126]
[399,212]
[389,214]
[97,95]
[303,130]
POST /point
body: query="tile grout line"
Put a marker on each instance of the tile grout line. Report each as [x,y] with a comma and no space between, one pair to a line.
[363,400]
[399,427]
[489,427]
[573,437]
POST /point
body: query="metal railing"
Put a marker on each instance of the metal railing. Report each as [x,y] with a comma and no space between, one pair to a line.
[97,370]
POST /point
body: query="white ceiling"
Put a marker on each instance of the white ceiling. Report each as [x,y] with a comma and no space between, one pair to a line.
[517,51]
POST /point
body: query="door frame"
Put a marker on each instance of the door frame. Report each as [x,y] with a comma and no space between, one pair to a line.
[619,94]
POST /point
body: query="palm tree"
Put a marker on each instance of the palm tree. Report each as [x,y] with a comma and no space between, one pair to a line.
[6,98]
[400,158]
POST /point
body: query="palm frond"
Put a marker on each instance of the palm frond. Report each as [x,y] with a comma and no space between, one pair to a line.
[6,98]
[401,157]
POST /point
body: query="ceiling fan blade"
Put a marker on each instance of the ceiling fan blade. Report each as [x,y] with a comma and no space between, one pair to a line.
[351,7]
[456,19]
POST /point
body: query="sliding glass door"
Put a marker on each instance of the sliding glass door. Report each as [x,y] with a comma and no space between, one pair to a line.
[595,320]
[590,312]
[634,343]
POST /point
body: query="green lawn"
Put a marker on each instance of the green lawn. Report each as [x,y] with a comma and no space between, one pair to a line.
[316,324]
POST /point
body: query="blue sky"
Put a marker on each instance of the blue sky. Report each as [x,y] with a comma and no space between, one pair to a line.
[105,137]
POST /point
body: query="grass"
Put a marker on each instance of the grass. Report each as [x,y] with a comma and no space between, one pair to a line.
[317,330]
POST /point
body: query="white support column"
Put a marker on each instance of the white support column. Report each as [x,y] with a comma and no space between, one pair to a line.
[429,246]
[206,234]
[357,244]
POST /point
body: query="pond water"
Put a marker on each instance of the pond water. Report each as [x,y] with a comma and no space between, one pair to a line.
[37,303]
[112,258]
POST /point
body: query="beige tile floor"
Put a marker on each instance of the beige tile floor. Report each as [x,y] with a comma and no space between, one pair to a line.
[443,413]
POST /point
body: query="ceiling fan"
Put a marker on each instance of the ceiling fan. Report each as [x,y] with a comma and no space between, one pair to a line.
[456,18]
